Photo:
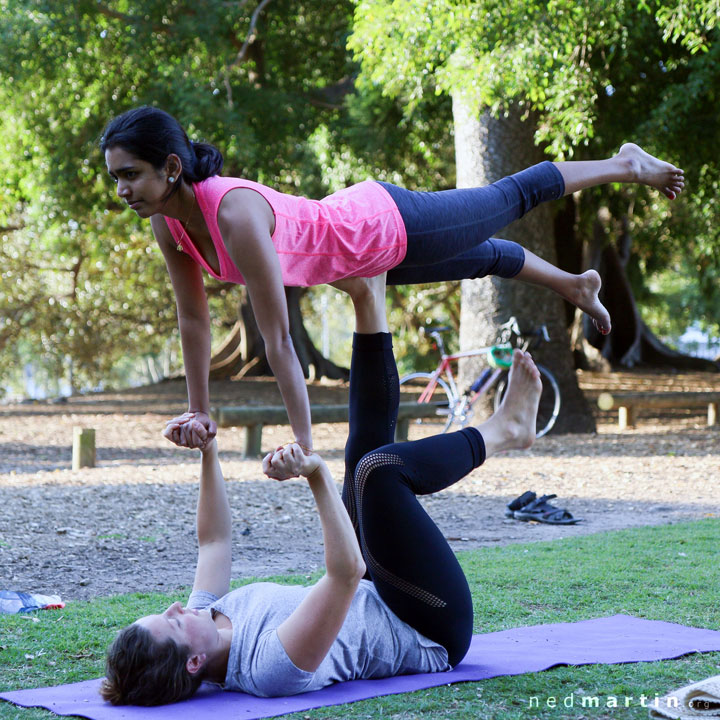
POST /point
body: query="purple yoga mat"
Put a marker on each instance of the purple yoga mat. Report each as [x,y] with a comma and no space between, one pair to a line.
[616,639]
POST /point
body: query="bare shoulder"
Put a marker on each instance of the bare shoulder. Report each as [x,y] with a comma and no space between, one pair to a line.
[245,209]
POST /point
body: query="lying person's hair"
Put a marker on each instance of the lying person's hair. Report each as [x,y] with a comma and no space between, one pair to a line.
[143,671]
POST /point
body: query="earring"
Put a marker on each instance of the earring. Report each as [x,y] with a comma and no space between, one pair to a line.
[171,179]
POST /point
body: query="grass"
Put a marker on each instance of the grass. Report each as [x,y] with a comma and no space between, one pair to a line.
[666,573]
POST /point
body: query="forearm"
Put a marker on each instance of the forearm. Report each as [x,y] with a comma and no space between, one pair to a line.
[287,370]
[343,558]
[213,510]
[195,338]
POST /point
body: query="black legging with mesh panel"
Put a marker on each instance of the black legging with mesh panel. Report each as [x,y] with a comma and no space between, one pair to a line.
[410,562]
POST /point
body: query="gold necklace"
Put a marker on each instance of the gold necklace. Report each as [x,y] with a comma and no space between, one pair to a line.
[184,226]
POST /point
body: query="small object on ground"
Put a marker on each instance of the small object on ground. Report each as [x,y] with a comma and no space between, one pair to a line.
[12,602]
[540,510]
[519,502]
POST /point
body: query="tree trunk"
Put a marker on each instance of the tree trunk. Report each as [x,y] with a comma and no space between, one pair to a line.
[242,352]
[487,149]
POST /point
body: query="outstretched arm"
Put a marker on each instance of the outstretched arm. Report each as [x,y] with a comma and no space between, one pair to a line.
[310,631]
[214,525]
[245,228]
[194,325]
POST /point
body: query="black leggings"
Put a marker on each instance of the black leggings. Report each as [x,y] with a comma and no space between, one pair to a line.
[410,562]
[449,233]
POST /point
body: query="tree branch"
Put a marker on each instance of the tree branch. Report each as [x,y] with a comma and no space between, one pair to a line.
[250,37]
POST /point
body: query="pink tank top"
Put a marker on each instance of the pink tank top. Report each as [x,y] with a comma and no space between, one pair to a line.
[355,232]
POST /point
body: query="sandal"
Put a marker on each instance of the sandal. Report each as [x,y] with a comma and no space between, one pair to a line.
[519,502]
[540,510]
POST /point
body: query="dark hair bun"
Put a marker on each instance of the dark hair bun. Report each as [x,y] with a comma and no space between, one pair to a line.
[208,160]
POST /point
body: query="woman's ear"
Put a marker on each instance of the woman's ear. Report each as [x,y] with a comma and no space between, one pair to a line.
[195,663]
[173,167]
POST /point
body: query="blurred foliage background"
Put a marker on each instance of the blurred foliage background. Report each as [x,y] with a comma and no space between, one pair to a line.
[309,97]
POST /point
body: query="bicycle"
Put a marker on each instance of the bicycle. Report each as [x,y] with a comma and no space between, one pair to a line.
[458,408]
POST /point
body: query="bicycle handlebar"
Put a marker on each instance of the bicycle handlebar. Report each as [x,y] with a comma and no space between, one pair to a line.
[511,327]
[505,332]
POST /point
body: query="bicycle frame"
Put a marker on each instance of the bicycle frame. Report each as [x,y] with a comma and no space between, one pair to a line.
[459,408]
[444,369]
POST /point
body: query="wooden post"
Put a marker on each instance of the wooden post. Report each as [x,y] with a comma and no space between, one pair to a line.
[253,440]
[83,454]
[626,416]
[712,414]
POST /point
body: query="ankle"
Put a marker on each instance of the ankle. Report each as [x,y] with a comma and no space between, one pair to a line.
[503,432]
[628,166]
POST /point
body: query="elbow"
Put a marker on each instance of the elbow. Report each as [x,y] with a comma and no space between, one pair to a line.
[356,571]
[279,344]
[194,320]
[348,574]
[279,349]
[360,569]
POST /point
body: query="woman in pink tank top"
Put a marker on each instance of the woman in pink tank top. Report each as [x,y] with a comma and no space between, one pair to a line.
[243,232]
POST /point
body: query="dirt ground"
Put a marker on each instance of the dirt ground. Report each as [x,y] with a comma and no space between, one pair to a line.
[128,524]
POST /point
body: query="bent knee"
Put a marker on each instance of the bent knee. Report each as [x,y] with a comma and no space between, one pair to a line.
[374,464]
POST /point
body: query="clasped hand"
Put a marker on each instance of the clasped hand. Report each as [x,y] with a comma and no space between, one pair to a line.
[191,429]
[289,461]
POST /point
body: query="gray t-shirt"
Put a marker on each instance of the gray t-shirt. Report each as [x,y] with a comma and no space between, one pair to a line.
[372,643]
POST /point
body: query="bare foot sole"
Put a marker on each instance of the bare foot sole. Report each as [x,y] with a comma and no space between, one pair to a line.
[585,295]
[649,170]
[518,413]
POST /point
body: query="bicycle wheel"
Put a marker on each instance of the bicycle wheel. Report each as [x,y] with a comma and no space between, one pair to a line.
[549,407]
[442,396]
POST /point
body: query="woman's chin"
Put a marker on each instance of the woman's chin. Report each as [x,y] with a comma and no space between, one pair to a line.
[142,210]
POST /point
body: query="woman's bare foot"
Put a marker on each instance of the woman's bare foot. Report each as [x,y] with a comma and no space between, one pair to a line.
[513,425]
[368,298]
[584,293]
[641,167]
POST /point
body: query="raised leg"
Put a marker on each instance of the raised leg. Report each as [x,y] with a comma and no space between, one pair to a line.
[631,165]
[582,290]
[409,560]
[501,258]
[506,259]
[447,230]
[374,386]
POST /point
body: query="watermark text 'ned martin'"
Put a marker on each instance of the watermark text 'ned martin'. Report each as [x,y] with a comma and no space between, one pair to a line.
[577,699]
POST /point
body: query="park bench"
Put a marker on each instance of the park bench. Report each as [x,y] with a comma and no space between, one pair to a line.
[628,403]
[253,418]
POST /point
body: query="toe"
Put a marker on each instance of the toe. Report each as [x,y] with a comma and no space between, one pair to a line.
[602,328]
